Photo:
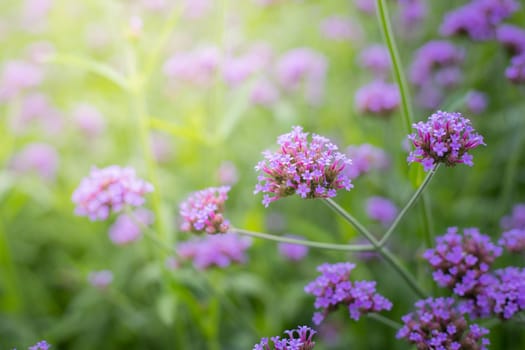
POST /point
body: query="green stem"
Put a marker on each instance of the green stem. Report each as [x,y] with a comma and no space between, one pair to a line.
[11,300]
[385,320]
[385,253]
[320,245]
[409,204]
[427,220]
[399,74]
[353,221]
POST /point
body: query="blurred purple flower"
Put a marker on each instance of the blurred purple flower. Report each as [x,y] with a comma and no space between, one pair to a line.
[162,147]
[128,227]
[476,101]
[197,67]
[203,211]
[214,250]
[433,57]
[18,76]
[460,261]
[34,14]
[376,59]
[109,190]
[88,120]
[437,324]
[377,98]
[429,96]
[309,169]
[516,219]
[303,67]
[366,158]
[516,71]
[227,173]
[367,6]
[340,28]
[444,138]
[412,12]
[238,69]
[36,110]
[512,38]
[300,339]
[333,288]
[513,240]
[264,93]
[381,209]
[100,279]
[41,345]
[40,51]
[37,158]
[478,19]
[291,251]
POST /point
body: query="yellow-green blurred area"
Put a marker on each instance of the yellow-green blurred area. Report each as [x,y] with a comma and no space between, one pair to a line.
[189,93]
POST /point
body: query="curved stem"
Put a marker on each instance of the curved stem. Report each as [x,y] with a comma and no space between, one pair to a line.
[320,245]
[353,221]
[409,204]
[399,74]
[385,320]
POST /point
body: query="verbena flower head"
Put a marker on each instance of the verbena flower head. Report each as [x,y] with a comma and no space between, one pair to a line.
[516,71]
[299,339]
[18,76]
[88,120]
[512,37]
[37,158]
[333,288]
[128,227]
[476,102]
[100,279]
[459,261]
[109,190]
[203,211]
[365,158]
[218,250]
[436,324]
[381,209]
[376,59]
[432,58]
[516,219]
[444,138]
[291,251]
[340,28]
[500,294]
[513,240]
[309,169]
[478,19]
[377,98]
[41,345]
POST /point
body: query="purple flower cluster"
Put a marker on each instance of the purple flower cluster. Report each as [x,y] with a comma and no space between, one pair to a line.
[109,190]
[435,67]
[376,59]
[516,219]
[291,251]
[436,324]
[476,102]
[377,97]
[366,158]
[18,76]
[459,261]
[309,169]
[37,158]
[41,345]
[478,19]
[512,38]
[381,209]
[208,251]
[203,211]
[513,240]
[197,67]
[299,339]
[333,288]
[340,28]
[100,279]
[128,227]
[37,112]
[444,138]
[516,71]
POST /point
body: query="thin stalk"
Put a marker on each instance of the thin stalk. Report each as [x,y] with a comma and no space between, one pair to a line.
[353,221]
[385,320]
[399,74]
[320,245]
[409,204]
[385,253]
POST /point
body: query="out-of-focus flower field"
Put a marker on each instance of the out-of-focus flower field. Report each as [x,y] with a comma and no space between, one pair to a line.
[156,176]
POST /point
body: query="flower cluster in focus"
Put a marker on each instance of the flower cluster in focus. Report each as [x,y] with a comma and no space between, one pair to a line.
[299,339]
[203,211]
[109,190]
[436,324]
[333,288]
[309,169]
[444,138]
